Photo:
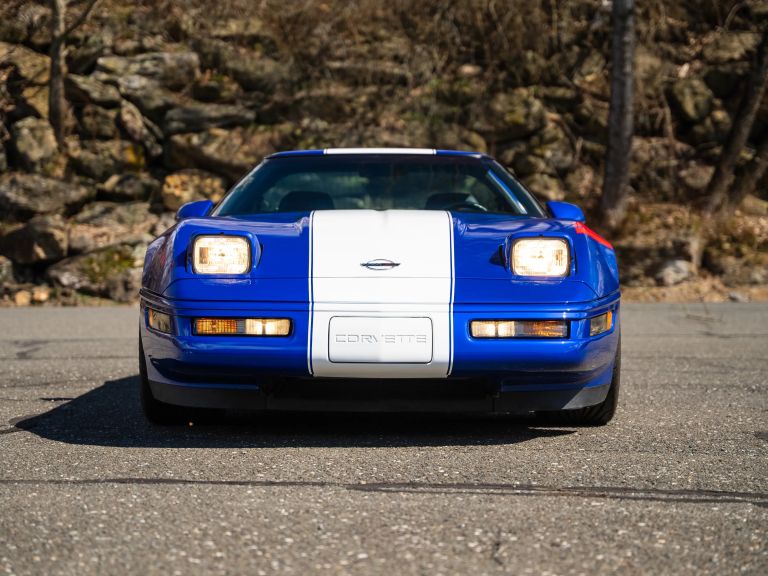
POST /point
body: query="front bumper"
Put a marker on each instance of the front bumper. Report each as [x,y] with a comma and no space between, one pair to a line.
[508,376]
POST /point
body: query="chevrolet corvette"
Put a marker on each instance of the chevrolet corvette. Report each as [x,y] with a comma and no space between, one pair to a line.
[380,280]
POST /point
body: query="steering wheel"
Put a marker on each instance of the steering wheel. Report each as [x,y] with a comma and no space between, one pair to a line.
[466,205]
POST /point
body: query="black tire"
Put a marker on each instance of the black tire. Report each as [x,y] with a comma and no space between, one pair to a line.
[597,415]
[155,411]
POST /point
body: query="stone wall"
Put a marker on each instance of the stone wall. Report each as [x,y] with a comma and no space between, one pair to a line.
[173,102]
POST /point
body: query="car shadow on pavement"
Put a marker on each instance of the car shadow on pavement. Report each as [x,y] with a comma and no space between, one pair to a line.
[110,415]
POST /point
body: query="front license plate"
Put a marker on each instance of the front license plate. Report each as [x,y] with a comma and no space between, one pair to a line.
[380,340]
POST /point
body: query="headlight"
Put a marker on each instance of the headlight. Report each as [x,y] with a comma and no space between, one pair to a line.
[540,257]
[221,255]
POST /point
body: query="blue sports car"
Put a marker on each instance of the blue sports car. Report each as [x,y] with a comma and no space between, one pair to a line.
[380,279]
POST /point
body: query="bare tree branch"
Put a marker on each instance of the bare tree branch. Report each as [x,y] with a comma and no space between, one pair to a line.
[80,19]
[720,184]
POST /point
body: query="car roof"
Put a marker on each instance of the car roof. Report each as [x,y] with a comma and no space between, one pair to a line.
[377,151]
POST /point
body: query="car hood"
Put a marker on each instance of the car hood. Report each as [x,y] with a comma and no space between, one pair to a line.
[470,249]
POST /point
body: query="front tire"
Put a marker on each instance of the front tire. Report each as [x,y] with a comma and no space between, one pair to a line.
[597,415]
[155,411]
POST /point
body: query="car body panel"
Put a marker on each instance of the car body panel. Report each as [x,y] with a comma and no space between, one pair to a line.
[447,267]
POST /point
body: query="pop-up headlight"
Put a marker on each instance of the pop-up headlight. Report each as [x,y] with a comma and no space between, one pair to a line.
[540,257]
[221,255]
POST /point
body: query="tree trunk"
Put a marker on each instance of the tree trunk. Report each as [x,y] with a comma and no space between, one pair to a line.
[746,183]
[57,103]
[719,189]
[620,127]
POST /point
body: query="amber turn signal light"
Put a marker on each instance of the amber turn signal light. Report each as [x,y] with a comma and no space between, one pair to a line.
[600,324]
[519,328]
[242,326]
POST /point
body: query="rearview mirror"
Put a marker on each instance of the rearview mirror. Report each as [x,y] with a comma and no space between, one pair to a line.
[194,209]
[565,211]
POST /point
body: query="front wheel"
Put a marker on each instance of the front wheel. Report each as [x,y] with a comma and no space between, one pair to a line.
[597,415]
[155,411]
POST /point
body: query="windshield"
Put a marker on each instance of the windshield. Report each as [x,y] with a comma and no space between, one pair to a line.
[349,182]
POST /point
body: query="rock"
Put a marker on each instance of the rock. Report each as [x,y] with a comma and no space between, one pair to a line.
[368,71]
[696,176]
[330,101]
[674,271]
[592,74]
[22,298]
[100,159]
[35,100]
[129,187]
[167,219]
[35,146]
[41,294]
[140,129]
[583,182]
[249,69]
[87,90]
[255,72]
[6,272]
[230,153]
[758,8]
[713,129]
[103,224]
[729,46]
[189,185]
[24,195]
[218,88]
[469,71]
[26,20]
[740,297]
[199,117]
[651,163]
[527,164]
[3,160]
[244,28]
[42,239]
[691,98]
[125,286]
[96,122]
[110,272]
[754,206]
[735,266]
[545,187]
[591,117]
[553,144]
[558,96]
[152,99]
[30,65]
[456,137]
[81,59]
[650,70]
[173,70]
[512,115]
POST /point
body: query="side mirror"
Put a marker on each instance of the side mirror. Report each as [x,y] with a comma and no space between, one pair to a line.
[565,211]
[194,209]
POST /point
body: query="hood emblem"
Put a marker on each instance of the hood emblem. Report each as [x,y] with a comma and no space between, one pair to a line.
[380,264]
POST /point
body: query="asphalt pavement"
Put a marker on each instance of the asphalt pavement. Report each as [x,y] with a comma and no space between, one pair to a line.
[676,484]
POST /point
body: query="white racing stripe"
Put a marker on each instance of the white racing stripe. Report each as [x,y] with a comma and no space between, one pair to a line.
[419,286]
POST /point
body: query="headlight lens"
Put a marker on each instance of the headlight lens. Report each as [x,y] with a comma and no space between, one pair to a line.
[540,257]
[221,255]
